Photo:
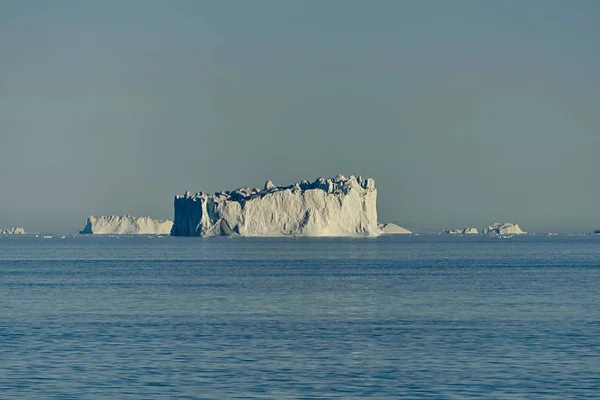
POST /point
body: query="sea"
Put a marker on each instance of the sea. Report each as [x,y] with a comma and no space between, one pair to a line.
[393,317]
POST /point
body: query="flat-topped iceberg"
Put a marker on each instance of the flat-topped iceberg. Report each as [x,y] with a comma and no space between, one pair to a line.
[126,224]
[463,231]
[12,231]
[392,229]
[506,228]
[337,206]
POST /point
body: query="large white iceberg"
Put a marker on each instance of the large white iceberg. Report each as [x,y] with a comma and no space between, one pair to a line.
[12,231]
[506,228]
[126,224]
[326,207]
[392,229]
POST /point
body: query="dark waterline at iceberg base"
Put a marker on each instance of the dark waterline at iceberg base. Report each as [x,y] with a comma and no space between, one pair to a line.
[389,317]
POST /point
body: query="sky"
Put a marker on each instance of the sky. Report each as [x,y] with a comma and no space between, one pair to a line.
[465,112]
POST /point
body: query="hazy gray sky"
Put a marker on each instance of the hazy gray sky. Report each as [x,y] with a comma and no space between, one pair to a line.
[464,112]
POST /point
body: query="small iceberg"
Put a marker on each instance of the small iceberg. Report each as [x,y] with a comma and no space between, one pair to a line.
[506,228]
[392,229]
[12,231]
[463,231]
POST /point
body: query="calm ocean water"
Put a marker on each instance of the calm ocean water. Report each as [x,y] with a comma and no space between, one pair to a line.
[436,317]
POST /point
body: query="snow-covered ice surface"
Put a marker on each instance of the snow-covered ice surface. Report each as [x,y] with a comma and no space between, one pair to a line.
[12,231]
[126,224]
[392,229]
[337,206]
[506,228]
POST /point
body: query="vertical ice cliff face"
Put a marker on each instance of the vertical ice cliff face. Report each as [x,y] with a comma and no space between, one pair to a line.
[127,224]
[326,207]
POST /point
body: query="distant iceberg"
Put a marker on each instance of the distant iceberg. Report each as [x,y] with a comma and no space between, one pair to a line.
[337,206]
[506,228]
[392,229]
[463,231]
[126,224]
[12,231]
[452,232]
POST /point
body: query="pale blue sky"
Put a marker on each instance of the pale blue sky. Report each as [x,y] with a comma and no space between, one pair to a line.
[464,112]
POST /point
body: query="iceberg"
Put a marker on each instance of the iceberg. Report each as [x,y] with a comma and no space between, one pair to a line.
[464,231]
[126,224]
[392,229]
[506,228]
[12,231]
[337,206]
[452,232]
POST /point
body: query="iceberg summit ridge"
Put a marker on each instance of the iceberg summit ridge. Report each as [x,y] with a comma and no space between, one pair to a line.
[337,206]
[126,224]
